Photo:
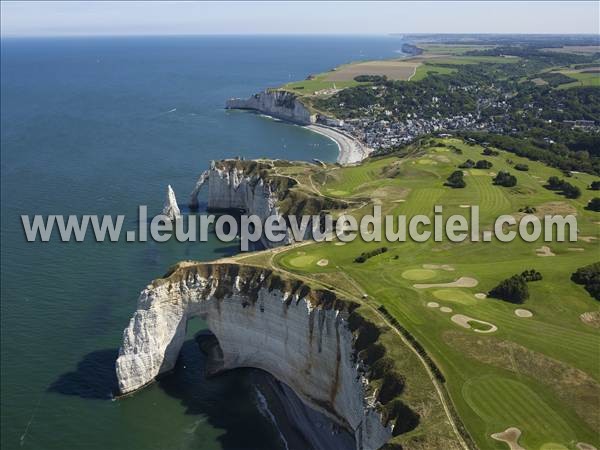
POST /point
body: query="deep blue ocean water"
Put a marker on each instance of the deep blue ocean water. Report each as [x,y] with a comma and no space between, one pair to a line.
[100,126]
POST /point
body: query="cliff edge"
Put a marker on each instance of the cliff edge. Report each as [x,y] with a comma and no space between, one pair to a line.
[279,104]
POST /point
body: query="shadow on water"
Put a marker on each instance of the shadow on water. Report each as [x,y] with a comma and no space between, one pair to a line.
[228,401]
[94,377]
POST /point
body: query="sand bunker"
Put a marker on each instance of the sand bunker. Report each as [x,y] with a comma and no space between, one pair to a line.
[447,267]
[576,249]
[510,436]
[544,250]
[480,295]
[465,322]
[464,206]
[433,305]
[340,243]
[399,201]
[523,313]
[322,262]
[591,318]
[584,446]
[587,239]
[445,309]
[461,282]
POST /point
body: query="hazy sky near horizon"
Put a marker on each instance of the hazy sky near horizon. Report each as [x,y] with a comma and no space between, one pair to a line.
[49,18]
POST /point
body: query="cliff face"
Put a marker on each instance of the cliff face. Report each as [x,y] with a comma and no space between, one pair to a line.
[280,104]
[232,187]
[254,188]
[301,336]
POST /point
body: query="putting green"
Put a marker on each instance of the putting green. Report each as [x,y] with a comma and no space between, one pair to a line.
[302,261]
[455,295]
[427,162]
[553,446]
[418,274]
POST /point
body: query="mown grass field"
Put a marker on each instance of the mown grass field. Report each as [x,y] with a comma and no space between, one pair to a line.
[318,83]
[540,374]
[583,79]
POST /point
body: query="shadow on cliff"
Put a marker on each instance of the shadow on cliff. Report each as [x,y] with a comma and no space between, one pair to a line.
[94,377]
[228,401]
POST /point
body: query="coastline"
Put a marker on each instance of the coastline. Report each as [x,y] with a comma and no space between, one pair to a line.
[350,149]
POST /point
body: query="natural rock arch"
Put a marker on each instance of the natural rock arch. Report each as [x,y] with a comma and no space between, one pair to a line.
[300,336]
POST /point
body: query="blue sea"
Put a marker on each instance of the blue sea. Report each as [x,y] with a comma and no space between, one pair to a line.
[100,126]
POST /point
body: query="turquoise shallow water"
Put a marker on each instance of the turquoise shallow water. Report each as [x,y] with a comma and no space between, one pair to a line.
[100,126]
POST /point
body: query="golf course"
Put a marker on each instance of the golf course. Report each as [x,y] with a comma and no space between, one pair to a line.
[513,375]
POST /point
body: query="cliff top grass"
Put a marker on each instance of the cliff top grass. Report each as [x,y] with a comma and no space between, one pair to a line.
[291,181]
[549,388]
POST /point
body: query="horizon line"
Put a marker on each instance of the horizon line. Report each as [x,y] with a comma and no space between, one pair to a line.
[386,34]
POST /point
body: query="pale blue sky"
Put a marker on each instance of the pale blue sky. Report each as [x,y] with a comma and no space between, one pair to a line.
[32,18]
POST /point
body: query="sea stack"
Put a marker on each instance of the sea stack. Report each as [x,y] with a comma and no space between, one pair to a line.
[171,209]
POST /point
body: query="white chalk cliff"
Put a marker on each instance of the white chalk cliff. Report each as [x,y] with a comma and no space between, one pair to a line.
[229,188]
[280,104]
[299,335]
[171,209]
[254,188]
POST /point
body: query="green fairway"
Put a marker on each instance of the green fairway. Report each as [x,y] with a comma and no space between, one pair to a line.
[503,403]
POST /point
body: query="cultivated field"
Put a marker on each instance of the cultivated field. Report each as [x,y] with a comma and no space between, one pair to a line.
[582,49]
[393,69]
[414,69]
[584,77]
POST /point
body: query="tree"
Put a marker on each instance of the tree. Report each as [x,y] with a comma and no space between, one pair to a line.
[566,188]
[531,275]
[489,152]
[455,180]
[555,183]
[589,277]
[571,191]
[483,164]
[513,289]
[468,164]
[505,179]
[595,186]
[594,204]
[522,167]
